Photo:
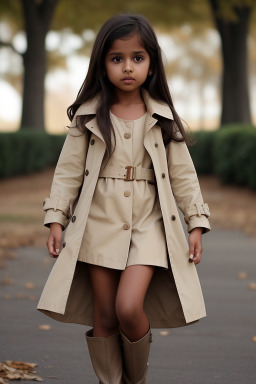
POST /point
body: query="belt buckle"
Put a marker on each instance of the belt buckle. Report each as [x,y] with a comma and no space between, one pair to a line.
[130,170]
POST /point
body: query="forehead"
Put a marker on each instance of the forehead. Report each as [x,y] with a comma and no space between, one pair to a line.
[127,44]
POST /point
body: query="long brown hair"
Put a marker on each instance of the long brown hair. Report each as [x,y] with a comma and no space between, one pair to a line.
[116,27]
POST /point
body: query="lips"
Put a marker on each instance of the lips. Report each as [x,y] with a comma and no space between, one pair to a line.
[127,78]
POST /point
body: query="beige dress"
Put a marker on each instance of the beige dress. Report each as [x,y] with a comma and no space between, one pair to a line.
[142,240]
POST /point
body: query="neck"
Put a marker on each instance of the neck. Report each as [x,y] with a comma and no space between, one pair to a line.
[128,98]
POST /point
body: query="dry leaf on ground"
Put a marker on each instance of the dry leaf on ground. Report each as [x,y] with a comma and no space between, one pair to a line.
[7,281]
[18,370]
[164,333]
[252,286]
[242,275]
[254,339]
[29,285]
[45,327]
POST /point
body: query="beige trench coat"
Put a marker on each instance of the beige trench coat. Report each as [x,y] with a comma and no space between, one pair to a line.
[174,297]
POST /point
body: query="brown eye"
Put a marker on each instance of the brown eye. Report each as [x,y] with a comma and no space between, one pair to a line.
[116,59]
[138,58]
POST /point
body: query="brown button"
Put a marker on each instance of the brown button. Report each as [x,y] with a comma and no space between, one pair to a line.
[126,226]
[127,135]
[92,141]
[86,172]
[127,193]
[163,175]
[173,217]
[44,203]
[156,145]
[73,219]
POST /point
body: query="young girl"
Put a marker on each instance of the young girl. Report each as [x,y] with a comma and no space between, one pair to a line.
[125,266]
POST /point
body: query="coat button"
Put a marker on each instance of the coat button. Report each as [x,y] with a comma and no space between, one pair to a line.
[73,219]
[127,135]
[126,226]
[92,141]
[156,145]
[163,175]
[173,217]
[127,193]
[86,172]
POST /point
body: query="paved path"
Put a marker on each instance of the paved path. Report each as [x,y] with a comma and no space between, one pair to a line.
[218,349]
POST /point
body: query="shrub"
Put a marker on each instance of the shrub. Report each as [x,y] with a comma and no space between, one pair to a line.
[235,154]
[27,151]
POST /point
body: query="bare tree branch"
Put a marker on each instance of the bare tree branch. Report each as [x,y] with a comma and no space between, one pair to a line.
[9,45]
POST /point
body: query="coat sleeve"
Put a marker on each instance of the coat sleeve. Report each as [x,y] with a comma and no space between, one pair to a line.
[67,180]
[185,186]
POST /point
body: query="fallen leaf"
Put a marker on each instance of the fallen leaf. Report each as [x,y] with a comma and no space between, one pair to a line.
[29,285]
[242,275]
[7,296]
[7,281]
[164,333]
[18,370]
[45,327]
[252,286]
[254,339]
[21,365]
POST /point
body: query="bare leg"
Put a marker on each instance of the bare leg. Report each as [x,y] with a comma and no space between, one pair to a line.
[130,297]
[104,284]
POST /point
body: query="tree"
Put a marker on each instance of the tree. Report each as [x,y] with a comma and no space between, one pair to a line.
[37,16]
[231,17]
[232,22]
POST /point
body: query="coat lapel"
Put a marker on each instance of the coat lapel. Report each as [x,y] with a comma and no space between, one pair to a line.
[153,107]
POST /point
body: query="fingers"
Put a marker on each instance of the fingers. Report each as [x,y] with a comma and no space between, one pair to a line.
[195,249]
[53,244]
[197,256]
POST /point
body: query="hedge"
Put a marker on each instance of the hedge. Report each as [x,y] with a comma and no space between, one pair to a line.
[235,155]
[25,151]
[229,152]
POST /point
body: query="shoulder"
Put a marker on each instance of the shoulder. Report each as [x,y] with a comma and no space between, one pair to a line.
[88,108]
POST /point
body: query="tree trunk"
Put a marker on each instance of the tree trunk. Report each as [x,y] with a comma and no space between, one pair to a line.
[235,92]
[37,20]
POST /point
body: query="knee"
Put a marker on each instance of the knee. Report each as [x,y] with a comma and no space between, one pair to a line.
[106,318]
[128,313]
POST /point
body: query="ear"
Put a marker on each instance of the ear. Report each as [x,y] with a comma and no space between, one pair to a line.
[150,72]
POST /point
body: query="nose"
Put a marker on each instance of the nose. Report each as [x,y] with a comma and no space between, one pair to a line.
[127,67]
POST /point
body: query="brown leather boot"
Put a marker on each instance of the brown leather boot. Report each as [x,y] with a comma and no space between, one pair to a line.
[135,358]
[106,357]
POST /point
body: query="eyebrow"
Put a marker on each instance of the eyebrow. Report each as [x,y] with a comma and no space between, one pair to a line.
[120,53]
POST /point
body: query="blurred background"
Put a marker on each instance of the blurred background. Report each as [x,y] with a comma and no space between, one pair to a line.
[209,52]
[208,47]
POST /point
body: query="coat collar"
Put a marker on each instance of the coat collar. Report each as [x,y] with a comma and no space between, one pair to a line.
[154,107]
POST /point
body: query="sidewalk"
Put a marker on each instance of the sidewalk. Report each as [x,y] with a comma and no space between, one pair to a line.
[218,349]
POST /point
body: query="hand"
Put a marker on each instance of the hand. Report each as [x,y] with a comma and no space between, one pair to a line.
[195,245]
[54,239]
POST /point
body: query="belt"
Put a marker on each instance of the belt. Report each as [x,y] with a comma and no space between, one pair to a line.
[128,173]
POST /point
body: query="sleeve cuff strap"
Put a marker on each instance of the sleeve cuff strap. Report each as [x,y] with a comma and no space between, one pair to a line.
[52,216]
[57,204]
[197,209]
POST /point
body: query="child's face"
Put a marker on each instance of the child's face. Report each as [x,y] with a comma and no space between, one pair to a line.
[127,63]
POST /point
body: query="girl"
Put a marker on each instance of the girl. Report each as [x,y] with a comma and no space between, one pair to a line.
[125,266]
